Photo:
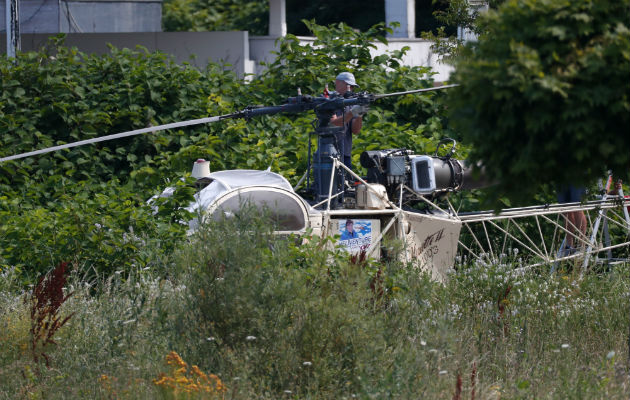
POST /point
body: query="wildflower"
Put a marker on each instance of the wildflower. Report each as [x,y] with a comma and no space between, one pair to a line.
[423,343]
[610,354]
[250,338]
[182,380]
[443,372]
[174,359]
[198,372]
[307,363]
[211,339]
[188,381]
[565,346]
[288,392]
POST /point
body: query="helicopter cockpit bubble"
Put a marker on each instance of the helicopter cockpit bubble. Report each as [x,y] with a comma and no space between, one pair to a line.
[286,210]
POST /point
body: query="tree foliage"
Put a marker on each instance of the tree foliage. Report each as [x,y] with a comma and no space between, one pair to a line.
[544,93]
[253,16]
[358,14]
[216,15]
[453,17]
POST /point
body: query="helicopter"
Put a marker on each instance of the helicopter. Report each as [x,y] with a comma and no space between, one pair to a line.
[403,197]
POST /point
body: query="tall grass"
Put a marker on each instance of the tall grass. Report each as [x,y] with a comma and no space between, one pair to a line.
[278,318]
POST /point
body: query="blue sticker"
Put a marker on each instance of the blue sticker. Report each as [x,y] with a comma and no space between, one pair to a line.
[356,234]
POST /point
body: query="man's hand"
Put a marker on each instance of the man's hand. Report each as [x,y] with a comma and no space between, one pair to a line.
[618,186]
[359,110]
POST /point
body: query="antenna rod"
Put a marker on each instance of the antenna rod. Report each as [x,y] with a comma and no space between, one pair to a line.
[380,96]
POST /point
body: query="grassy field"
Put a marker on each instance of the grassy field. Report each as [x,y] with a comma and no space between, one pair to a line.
[242,315]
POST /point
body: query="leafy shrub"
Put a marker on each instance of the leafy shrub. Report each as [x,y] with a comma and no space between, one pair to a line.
[101,228]
[294,314]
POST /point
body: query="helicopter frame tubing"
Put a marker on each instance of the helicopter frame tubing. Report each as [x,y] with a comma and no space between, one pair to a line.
[540,233]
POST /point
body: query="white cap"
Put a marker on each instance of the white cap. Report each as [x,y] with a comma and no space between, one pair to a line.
[201,169]
[347,77]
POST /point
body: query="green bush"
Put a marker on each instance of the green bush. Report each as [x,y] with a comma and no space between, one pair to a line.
[103,228]
[544,94]
[290,317]
[222,15]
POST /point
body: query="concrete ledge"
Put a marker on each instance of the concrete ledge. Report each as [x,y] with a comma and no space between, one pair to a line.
[242,52]
[222,47]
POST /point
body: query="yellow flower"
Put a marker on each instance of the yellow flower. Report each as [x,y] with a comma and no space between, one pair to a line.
[188,381]
[174,359]
[198,372]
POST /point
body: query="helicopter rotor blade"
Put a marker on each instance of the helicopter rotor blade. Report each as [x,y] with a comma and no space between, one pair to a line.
[118,136]
[380,96]
[247,113]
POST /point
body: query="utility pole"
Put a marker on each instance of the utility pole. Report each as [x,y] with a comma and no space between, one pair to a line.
[12,24]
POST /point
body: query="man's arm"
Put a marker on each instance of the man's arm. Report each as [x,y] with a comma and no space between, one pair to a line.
[338,120]
[357,122]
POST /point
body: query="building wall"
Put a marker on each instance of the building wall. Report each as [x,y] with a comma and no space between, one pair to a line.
[35,16]
[54,16]
[221,47]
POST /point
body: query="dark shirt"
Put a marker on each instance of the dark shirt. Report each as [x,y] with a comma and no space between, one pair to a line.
[344,139]
[571,194]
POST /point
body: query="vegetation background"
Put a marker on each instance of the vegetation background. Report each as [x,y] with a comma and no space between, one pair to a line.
[253,16]
[295,322]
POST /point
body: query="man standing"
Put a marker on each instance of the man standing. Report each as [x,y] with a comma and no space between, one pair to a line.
[351,118]
[575,220]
